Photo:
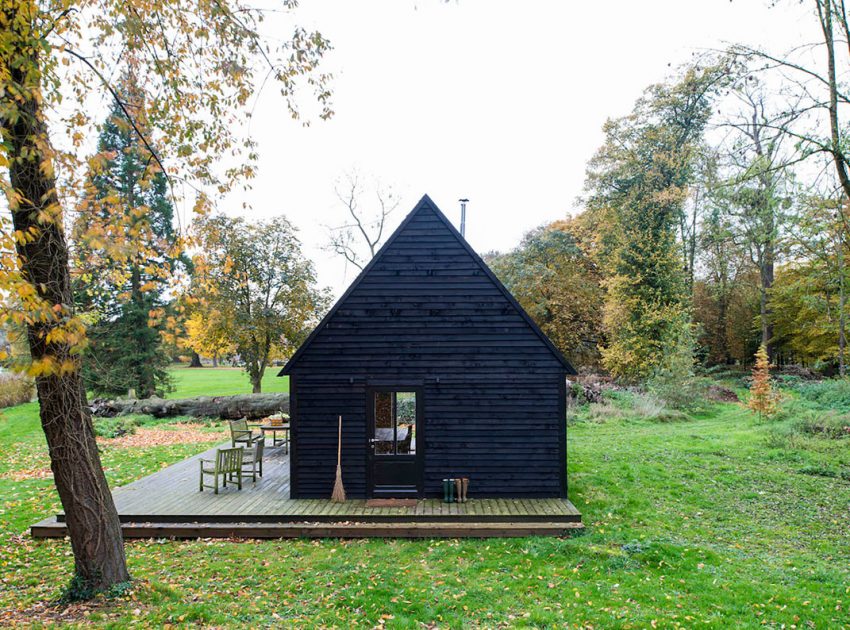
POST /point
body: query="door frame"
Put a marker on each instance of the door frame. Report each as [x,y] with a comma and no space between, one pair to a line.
[371,390]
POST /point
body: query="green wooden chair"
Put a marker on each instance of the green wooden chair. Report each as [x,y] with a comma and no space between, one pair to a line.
[252,460]
[227,465]
[242,434]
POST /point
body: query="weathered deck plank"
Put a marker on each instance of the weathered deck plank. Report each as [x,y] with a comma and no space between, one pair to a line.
[169,501]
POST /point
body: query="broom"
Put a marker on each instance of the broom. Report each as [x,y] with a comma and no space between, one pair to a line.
[339,491]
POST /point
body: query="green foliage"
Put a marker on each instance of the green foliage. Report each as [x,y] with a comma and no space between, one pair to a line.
[15,389]
[80,590]
[831,394]
[819,471]
[642,173]
[804,301]
[556,282]
[257,287]
[674,380]
[128,424]
[126,252]
[828,424]
[115,427]
[126,353]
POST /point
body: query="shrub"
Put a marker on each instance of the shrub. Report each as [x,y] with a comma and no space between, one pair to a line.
[628,405]
[828,424]
[820,471]
[686,393]
[127,425]
[832,394]
[116,427]
[675,383]
[15,389]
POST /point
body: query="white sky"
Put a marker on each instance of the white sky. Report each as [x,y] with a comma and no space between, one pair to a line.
[498,101]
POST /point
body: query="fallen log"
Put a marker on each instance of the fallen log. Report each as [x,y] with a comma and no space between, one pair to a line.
[251,406]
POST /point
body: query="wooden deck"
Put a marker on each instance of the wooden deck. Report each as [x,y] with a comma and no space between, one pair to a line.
[169,504]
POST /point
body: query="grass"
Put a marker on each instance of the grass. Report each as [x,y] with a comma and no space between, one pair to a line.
[713,520]
[190,382]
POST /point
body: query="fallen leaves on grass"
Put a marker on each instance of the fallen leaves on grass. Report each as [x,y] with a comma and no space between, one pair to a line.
[160,436]
[56,612]
[46,613]
[28,473]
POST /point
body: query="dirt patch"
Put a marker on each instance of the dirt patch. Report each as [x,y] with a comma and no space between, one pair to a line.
[721,394]
[159,436]
[29,473]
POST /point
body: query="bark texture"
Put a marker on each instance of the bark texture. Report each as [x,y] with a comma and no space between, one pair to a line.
[93,524]
[251,406]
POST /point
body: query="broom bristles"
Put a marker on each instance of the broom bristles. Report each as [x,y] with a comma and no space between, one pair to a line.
[339,491]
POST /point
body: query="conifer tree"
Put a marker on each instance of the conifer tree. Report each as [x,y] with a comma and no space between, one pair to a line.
[764,400]
[121,288]
[640,178]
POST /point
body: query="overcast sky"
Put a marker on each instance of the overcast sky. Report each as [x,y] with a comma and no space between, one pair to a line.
[498,101]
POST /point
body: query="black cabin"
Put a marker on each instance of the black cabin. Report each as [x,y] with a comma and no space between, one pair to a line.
[437,372]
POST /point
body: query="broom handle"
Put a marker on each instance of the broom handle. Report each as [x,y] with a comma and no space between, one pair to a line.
[339,444]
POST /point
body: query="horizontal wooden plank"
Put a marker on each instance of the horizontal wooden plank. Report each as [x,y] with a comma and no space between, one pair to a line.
[171,496]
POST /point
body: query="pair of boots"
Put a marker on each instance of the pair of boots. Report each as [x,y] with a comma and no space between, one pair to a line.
[454,490]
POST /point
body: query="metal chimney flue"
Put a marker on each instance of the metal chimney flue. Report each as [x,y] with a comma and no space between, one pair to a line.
[463,203]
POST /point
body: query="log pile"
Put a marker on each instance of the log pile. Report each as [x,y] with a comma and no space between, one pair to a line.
[588,388]
[251,406]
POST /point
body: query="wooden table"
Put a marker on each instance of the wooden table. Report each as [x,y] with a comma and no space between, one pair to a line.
[273,429]
[386,435]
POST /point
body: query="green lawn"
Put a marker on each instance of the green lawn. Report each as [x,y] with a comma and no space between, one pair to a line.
[716,521]
[207,381]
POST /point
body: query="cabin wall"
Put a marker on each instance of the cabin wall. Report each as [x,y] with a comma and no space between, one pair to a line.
[427,314]
[502,433]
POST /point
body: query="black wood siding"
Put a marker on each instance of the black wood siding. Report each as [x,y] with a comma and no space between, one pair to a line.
[427,314]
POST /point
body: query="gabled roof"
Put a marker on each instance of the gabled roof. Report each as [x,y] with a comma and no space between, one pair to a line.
[426,204]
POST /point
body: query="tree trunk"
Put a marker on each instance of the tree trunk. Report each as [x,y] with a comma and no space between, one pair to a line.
[764,311]
[215,360]
[255,370]
[825,14]
[92,520]
[842,336]
[722,327]
[767,277]
[196,360]
[251,406]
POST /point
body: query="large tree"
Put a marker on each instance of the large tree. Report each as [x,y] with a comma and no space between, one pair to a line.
[258,289]
[197,63]
[759,186]
[810,294]
[642,176]
[558,284]
[120,288]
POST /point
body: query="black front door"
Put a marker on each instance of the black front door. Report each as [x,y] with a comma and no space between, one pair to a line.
[395,442]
